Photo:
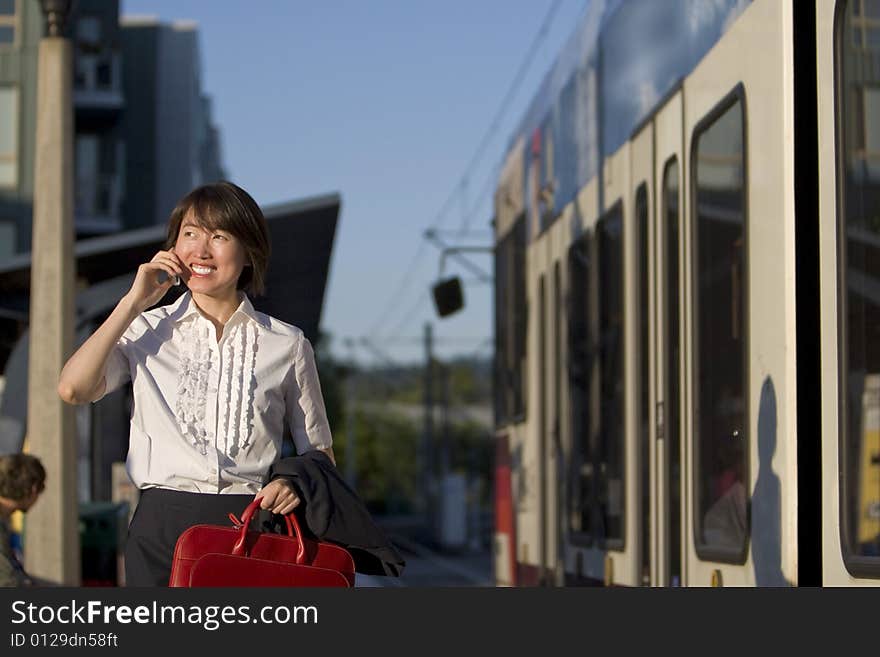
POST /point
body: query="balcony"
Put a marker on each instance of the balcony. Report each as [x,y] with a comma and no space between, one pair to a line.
[97,200]
[97,82]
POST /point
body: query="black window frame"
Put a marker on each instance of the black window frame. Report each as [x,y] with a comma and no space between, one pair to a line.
[857,565]
[580,441]
[615,211]
[703,551]
[511,317]
[595,446]
[674,560]
[642,222]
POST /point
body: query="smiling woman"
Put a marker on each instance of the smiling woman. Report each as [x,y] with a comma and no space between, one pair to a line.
[215,382]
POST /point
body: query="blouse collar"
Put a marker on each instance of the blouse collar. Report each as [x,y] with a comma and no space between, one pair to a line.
[185,307]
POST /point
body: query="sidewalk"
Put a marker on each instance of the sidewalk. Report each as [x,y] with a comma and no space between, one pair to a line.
[427,566]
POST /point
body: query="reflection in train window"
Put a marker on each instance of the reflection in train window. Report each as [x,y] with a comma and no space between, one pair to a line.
[610,457]
[595,333]
[580,372]
[720,422]
[510,323]
[859,114]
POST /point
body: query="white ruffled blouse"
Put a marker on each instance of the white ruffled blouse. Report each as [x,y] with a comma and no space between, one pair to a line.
[209,416]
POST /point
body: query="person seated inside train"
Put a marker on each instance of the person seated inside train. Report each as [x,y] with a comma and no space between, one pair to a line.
[725,523]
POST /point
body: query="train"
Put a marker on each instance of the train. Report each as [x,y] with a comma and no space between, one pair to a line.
[687,301]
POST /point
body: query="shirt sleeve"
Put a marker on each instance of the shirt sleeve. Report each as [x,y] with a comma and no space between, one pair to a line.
[305,404]
[118,371]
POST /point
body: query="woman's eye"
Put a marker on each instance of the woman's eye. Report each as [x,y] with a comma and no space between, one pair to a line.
[219,237]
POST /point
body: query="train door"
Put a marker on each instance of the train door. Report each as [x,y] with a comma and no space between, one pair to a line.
[741,434]
[667,507]
[848,91]
[643,311]
[613,426]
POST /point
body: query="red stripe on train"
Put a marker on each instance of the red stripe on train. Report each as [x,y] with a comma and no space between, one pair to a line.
[504,520]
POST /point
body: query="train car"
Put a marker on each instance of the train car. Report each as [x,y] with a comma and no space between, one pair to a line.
[687,301]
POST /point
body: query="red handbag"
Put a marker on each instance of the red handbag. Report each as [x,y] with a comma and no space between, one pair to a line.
[211,555]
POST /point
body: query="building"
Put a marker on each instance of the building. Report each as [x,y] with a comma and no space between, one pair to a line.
[172,144]
[139,112]
[99,114]
[20,30]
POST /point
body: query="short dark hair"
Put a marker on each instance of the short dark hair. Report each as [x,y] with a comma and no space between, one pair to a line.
[225,206]
[19,474]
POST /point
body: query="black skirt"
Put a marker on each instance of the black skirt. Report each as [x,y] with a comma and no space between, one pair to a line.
[160,518]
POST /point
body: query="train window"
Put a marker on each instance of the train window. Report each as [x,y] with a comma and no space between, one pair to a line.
[858,97]
[581,264]
[595,369]
[510,325]
[672,398]
[642,365]
[721,467]
[609,348]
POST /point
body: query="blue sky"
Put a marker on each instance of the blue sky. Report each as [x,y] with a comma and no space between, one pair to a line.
[385,102]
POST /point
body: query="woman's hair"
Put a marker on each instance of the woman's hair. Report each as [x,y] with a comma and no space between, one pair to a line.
[225,206]
[19,474]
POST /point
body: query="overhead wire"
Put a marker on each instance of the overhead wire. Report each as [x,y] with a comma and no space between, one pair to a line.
[408,276]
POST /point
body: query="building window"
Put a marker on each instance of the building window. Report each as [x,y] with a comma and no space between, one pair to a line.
[858,103]
[8,236]
[721,466]
[88,33]
[7,23]
[8,137]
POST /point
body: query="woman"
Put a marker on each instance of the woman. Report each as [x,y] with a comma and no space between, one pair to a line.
[214,381]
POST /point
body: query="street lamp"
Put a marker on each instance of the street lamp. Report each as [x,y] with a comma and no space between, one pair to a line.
[447,293]
[52,550]
[56,13]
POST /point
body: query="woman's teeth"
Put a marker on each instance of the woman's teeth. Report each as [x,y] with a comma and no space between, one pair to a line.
[204,271]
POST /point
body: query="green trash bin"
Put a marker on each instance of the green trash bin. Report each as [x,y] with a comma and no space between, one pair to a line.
[102,530]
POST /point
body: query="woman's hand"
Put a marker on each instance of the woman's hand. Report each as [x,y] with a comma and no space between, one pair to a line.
[278,496]
[146,289]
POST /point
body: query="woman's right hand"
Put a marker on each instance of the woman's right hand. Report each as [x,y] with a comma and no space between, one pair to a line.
[146,289]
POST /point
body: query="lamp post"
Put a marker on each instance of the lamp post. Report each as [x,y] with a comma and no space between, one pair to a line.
[52,549]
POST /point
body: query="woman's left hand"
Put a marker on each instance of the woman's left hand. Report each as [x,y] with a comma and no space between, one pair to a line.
[278,496]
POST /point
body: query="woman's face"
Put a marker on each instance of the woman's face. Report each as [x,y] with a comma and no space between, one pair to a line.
[213,260]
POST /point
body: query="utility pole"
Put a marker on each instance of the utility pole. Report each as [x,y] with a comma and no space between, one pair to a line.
[428,434]
[445,375]
[350,446]
[52,548]
[443,504]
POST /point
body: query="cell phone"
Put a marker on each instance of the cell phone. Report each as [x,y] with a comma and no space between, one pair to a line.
[163,276]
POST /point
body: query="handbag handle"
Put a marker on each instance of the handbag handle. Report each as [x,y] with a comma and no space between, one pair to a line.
[292,530]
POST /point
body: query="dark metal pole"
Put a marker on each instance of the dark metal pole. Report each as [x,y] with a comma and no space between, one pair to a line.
[428,434]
